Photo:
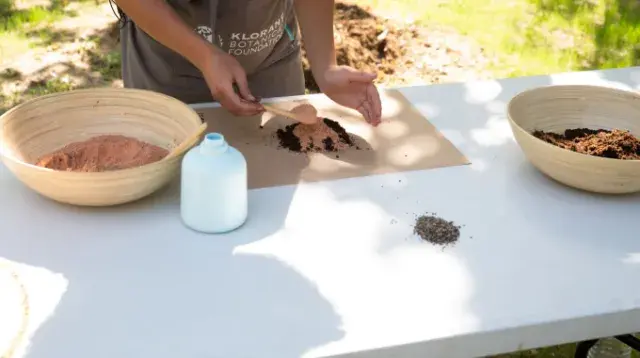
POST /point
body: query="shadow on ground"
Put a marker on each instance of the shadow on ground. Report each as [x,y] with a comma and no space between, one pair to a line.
[92,61]
[49,36]
[565,8]
[206,296]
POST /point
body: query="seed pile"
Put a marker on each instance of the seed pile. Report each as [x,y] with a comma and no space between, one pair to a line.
[325,136]
[616,144]
[436,230]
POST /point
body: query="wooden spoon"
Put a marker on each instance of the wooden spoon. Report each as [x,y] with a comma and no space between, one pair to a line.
[186,143]
[305,113]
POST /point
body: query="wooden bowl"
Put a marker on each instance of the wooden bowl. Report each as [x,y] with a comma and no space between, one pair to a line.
[45,124]
[556,108]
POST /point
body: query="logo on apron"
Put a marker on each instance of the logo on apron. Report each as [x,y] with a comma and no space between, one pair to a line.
[205,32]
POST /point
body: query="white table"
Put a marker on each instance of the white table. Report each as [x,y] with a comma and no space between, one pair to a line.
[546,264]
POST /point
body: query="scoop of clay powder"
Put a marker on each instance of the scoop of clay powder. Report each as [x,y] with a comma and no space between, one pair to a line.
[306,113]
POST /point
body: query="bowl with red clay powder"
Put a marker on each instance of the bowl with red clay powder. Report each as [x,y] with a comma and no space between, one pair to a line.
[586,137]
[96,147]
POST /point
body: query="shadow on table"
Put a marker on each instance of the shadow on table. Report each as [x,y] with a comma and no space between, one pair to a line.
[565,224]
[207,299]
[534,267]
[144,286]
[270,165]
[205,296]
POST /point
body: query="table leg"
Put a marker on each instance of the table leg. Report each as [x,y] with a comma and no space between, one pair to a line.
[630,340]
[582,349]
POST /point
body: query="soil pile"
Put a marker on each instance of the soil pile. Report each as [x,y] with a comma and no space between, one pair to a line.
[325,136]
[103,153]
[398,52]
[436,230]
[616,144]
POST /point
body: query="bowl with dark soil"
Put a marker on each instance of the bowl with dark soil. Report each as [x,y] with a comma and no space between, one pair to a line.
[583,136]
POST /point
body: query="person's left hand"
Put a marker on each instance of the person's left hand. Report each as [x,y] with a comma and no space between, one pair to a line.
[354,89]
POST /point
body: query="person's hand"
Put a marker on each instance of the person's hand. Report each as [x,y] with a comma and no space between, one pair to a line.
[354,89]
[222,73]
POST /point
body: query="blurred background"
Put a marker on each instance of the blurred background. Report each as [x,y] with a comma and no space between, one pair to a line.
[56,45]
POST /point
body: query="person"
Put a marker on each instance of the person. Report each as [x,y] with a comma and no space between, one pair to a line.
[236,51]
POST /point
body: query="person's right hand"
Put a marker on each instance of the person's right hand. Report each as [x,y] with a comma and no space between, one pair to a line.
[222,71]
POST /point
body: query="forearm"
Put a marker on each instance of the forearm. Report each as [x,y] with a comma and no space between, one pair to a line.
[161,22]
[316,24]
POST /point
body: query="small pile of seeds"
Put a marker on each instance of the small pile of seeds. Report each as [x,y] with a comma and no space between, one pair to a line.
[436,230]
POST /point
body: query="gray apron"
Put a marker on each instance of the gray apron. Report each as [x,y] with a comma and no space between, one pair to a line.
[261,34]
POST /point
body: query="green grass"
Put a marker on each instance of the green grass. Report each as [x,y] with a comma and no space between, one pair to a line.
[34,33]
[12,19]
[35,89]
[50,86]
[23,29]
[531,37]
[106,63]
[28,22]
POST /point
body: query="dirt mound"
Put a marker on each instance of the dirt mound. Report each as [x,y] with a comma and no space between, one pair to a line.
[103,153]
[400,53]
[325,136]
[82,51]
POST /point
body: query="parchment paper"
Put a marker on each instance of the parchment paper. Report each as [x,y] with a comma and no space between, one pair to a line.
[404,141]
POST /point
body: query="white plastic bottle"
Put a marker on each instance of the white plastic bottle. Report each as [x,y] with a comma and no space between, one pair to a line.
[609,348]
[214,192]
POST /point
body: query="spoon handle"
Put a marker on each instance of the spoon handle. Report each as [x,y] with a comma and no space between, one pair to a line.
[187,142]
[282,112]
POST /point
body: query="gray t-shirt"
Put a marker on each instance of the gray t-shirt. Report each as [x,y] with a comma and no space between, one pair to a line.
[258,33]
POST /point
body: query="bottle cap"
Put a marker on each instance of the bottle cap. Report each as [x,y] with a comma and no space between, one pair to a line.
[213,143]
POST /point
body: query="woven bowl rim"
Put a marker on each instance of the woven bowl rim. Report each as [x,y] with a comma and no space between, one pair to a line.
[555,147]
[71,93]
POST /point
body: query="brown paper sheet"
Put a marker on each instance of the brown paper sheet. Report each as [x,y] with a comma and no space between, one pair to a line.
[404,141]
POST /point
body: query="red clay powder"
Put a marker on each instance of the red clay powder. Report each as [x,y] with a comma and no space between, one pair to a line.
[317,135]
[103,153]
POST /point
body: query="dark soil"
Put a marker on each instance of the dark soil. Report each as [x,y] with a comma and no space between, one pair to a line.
[290,141]
[400,53]
[436,230]
[616,144]
[342,133]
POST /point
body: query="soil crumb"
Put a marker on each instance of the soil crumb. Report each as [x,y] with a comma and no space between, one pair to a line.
[325,136]
[436,230]
[103,153]
[616,144]
[400,52]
